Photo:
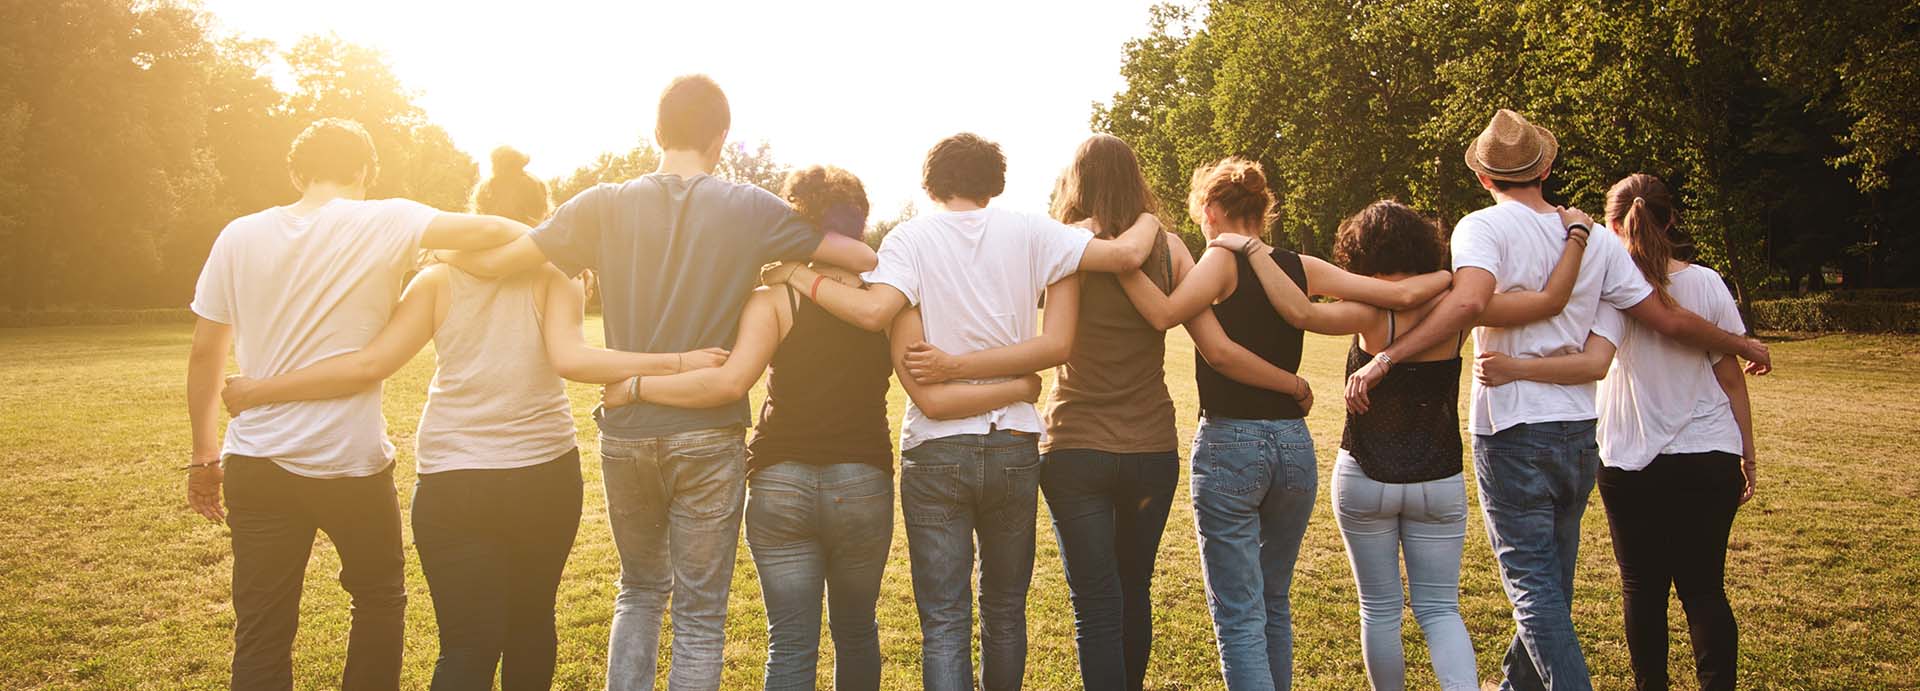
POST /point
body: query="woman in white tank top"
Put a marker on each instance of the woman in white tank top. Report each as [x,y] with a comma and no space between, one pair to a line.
[498,500]
[1676,440]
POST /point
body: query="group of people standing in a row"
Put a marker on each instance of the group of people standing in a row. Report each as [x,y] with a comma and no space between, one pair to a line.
[306,294]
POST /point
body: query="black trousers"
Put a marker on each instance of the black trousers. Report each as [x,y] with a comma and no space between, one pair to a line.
[273,516]
[1670,523]
[493,544]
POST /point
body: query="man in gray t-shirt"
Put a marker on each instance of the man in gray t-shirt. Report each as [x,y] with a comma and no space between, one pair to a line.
[677,251]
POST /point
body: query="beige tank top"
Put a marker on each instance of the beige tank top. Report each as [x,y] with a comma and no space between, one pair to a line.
[495,402]
[1111,395]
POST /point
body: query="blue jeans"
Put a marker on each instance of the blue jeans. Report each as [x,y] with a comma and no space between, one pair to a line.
[1109,511]
[1534,482]
[674,503]
[956,490]
[1253,491]
[1428,521]
[814,528]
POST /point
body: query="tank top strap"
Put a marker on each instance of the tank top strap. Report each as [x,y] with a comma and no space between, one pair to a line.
[1391,329]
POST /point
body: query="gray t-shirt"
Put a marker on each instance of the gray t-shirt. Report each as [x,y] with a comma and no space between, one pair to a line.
[677,258]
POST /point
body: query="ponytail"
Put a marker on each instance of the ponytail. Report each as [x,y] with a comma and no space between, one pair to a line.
[510,191]
[1640,210]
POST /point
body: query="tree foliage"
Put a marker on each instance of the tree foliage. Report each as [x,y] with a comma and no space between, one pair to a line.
[130,134]
[1788,128]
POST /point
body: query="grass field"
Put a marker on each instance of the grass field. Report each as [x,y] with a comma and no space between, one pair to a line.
[108,581]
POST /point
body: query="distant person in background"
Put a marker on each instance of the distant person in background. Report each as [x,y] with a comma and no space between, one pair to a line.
[1534,450]
[284,288]
[1397,485]
[969,483]
[820,464]
[677,252]
[498,499]
[1254,474]
[1676,440]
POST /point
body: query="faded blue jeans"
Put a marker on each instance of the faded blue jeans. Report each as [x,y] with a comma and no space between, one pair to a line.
[1427,521]
[1253,490]
[814,528]
[955,491]
[1534,483]
[674,503]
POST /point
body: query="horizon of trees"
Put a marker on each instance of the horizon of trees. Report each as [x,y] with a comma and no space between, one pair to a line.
[1787,129]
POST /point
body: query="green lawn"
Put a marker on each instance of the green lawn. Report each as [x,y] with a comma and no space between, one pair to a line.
[108,581]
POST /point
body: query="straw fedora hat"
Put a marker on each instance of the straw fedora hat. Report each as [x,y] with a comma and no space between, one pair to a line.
[1512,149]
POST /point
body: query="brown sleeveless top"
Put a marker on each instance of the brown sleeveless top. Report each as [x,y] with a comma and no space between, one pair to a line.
[1111,395]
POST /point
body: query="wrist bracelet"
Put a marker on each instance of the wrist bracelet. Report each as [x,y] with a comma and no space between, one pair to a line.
[813,293]
[1248,245]
[633,389]
[197,466]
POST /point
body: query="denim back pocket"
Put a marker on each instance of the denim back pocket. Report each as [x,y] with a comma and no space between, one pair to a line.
[1230,467]
[930,494]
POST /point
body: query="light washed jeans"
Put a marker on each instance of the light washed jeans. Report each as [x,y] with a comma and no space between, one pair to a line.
[1429,521]
[675,505]
[815,528]
[1253,491]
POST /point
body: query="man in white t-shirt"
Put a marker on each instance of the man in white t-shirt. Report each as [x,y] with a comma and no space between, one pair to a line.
[1534,450]
[284,288]
[977,275]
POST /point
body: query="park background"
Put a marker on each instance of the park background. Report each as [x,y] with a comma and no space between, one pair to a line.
[131,131]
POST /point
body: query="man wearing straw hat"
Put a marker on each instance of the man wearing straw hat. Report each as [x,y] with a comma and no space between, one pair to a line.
[1534,450]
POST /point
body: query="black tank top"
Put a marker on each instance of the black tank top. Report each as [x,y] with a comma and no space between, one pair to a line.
[1411,432]
[827,396]
[1250,320]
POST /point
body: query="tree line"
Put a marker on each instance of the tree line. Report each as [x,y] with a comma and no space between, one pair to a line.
[1788,128]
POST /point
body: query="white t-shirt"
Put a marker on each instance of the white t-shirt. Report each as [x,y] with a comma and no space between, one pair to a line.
[300,289]
[1520,247]
[1661,396]
[978,277]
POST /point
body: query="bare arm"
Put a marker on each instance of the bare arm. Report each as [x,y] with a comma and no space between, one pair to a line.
[1201,286]
[573,359]
[846,253]
[1340,318]
[871,307]
[1242,365]
[1686,327]
[505,260]
[1332,281]
[1734,382]
[1127,251]
[930,365]
[206,367]
[1588,365]
[448,231]
[1521,307]
[410,327]
[760,336]
[1472,288]
[951,400]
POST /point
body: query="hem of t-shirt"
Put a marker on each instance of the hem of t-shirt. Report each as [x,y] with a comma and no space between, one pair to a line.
[1531,420]
[543,243]
[304,470]
[1471,264]
[1052,444]
[890,283]
[205,313]
[1639,297]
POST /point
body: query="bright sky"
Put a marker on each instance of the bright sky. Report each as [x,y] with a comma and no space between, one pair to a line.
[866,85]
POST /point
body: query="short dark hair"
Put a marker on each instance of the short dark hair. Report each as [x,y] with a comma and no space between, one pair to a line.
[964,166]
[1387,237]
[693,113]
[333,150]
[1509,185]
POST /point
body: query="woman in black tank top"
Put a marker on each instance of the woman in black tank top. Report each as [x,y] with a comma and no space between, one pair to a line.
[1397,484]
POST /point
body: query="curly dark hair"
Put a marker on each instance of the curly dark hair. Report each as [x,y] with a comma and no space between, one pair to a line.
[830,198]
[1388,237]
[333,150]
[964,166]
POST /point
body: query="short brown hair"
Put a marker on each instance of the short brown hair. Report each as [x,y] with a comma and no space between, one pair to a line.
[333,150]
[1387,237]
[830,198]
[1238,186]
[693,113]
[1509,185]
[964,166]
[1104,184]
[1641,211]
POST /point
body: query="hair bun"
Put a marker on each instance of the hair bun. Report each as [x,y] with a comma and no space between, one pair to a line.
[509,161]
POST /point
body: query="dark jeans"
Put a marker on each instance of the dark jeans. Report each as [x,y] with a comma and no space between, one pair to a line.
[956,490]
[674,503]
[1109,511]
[814,528]
[1534,484]
[273,515]
[1670,523]
[493,544]
[1253,486]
